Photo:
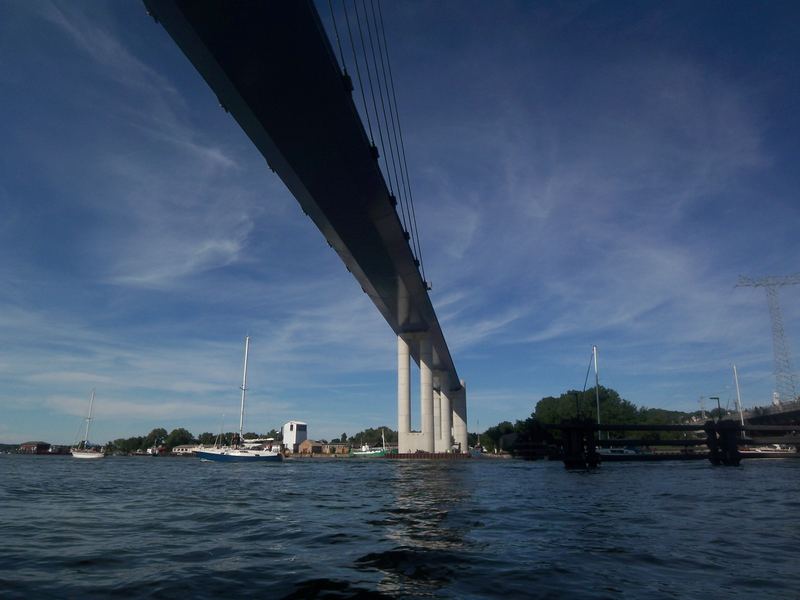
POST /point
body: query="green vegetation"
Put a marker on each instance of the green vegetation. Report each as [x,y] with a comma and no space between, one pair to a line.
[371,437]
[159,438]
[574,403]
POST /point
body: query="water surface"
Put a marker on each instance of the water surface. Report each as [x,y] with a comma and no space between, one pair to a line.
[182,528]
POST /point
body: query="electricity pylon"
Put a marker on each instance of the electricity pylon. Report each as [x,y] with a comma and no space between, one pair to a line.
[784,376]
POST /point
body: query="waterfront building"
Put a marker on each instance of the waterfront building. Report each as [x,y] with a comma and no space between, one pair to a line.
[294,433]
[314,447]
[34,448]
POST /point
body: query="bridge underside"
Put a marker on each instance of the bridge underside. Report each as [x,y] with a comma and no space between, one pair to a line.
[272,67]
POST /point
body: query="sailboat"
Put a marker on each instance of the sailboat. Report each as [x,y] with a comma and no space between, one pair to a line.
[366,452]
[237,452]
[82,448]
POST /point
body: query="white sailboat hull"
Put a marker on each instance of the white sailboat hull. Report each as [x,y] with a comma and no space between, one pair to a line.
[87,454]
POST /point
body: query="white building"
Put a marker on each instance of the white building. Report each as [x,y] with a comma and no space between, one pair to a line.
[294,434]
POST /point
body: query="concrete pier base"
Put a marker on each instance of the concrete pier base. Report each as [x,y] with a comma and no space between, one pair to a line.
[460,418]
[403,395]
[426,393]
[443,411]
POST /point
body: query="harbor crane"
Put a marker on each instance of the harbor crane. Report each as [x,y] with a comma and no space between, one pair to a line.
[785,385]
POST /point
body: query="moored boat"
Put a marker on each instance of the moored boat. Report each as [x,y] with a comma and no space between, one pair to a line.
[238,452]
[368,452]
[83,449]
[238,455]
[90,453]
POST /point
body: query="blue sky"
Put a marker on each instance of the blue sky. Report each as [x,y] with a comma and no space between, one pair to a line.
[584,173]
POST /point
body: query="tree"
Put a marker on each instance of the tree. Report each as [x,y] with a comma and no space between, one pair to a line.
[128,445]
[343,439]
[613,408]
[206,438]
[178,437]
[491,437]
[155,437]
[372,436]
[553,410]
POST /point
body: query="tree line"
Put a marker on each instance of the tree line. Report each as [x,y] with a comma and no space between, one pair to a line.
[573,404]
[370,436]
[159,438]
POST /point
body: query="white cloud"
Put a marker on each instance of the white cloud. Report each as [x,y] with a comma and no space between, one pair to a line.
[563,200]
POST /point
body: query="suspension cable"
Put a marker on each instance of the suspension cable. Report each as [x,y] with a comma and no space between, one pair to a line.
[358,72]
[369,75]
[338,39]
[402,145]
[396,162]
[388,80]
[393,171]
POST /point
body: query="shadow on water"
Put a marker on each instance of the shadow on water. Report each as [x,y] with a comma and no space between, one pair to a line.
[331,589]
[427,545]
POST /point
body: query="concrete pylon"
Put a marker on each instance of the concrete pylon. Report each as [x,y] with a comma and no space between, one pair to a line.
[403,395]
[437,416]
[426,442]
[460,417]
[447,413]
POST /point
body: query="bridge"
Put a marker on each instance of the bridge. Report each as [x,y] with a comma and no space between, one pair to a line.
[274,70]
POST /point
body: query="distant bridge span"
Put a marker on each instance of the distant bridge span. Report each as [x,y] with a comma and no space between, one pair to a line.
[272,67]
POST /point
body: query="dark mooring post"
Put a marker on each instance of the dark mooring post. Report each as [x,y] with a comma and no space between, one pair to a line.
[579,445]
[722,440]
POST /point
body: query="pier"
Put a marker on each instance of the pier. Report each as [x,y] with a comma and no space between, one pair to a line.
[726,442]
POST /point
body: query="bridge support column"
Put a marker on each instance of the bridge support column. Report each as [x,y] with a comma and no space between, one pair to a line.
[426,393]
[460,418]
[437,415]
[446,424]
[403,395]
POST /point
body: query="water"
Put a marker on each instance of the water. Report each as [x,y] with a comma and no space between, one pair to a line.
[181,528]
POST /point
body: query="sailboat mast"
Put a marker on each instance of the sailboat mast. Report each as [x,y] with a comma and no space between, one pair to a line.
[244,386]
[88,420]
[596,386]
[738,396]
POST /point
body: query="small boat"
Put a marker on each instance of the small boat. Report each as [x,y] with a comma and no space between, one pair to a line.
[612,451]
[774,450]
[83,449]
[367,452]
[238,452]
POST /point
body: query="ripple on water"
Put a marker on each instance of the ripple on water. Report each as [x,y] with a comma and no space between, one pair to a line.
[178,528]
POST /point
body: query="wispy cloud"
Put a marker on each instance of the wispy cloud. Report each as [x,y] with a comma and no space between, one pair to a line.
[576,180]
